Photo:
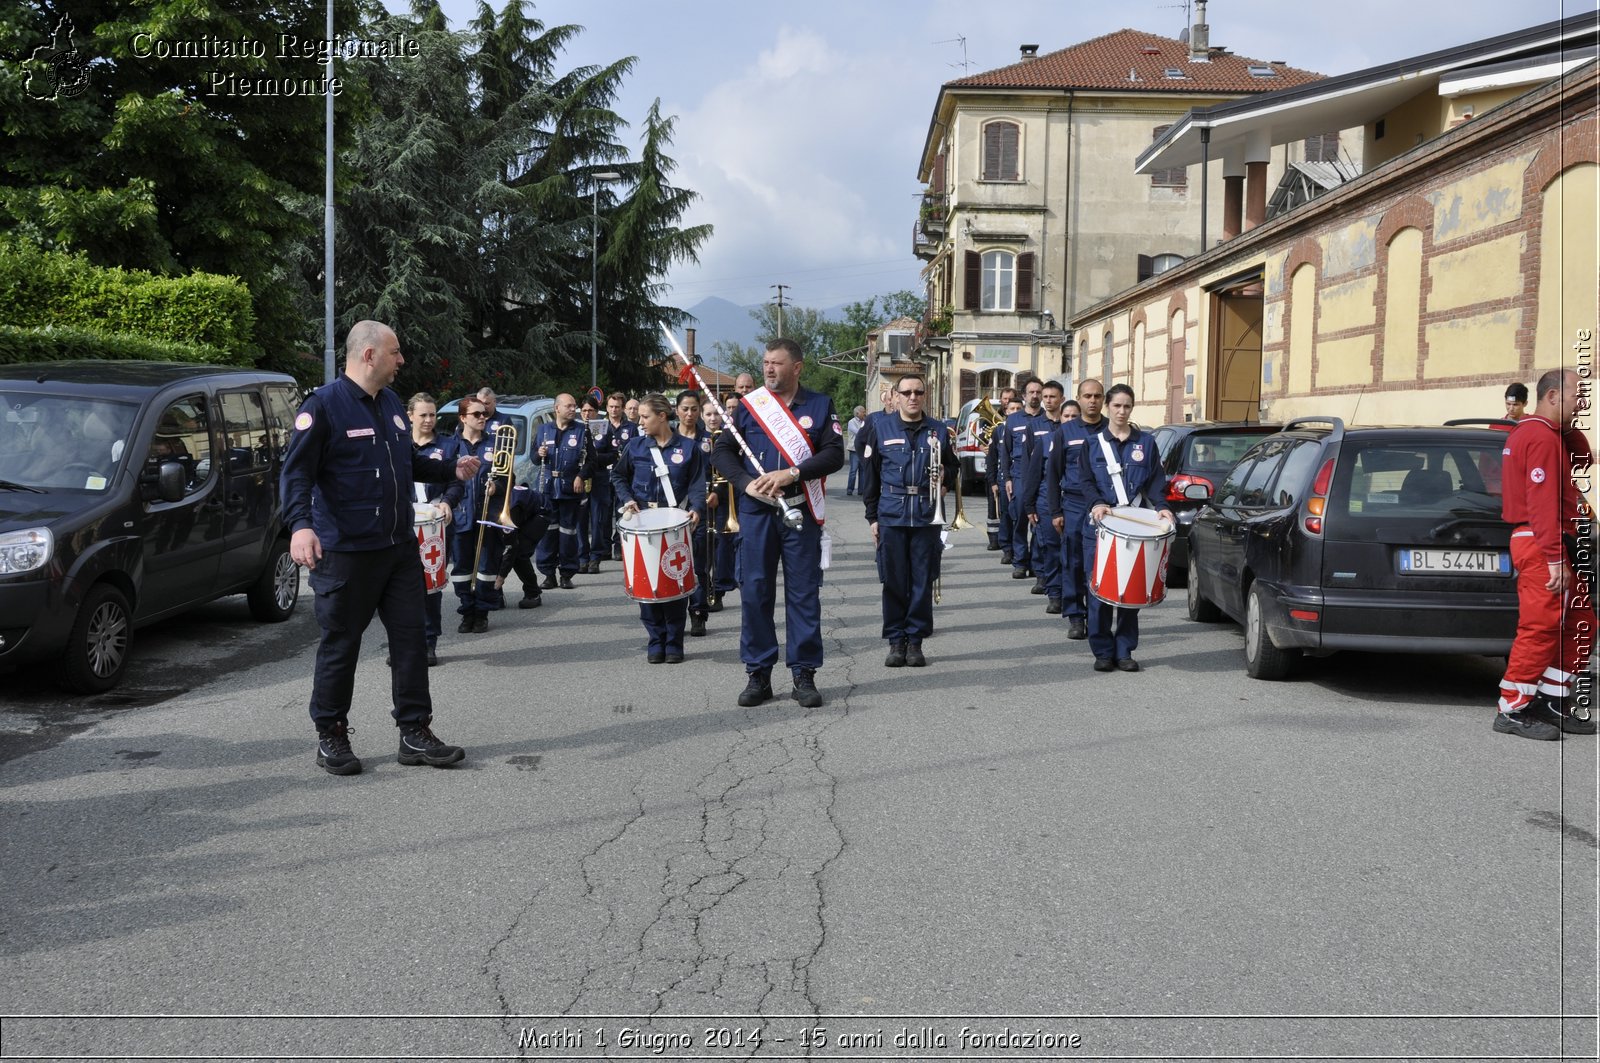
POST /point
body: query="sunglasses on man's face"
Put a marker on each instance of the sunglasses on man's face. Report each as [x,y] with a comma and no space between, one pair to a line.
[913,394]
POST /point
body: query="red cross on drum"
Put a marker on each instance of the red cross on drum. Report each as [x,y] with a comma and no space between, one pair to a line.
[428,520]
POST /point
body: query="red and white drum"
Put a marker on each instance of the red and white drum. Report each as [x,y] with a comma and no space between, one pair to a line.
[1130,557]
[428,520]
[657,555]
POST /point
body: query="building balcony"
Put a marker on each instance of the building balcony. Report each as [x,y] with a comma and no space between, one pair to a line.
[934,212]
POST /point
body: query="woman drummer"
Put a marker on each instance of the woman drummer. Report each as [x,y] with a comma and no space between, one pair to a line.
[1114,632]
[657,468]
[423,410]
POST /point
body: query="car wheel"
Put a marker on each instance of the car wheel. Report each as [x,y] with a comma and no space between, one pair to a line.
[97,649]
[1262,659]
[1201,609]
[277,589]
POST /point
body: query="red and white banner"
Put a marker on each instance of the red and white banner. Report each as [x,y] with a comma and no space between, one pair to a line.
[791,440]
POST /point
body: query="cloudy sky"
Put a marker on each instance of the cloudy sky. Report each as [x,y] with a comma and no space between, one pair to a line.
[800,125]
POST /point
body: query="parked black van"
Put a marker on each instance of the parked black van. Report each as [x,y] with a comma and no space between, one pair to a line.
[130,491]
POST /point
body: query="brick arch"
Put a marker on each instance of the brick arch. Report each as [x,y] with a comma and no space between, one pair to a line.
[1305,250]
[1139,317]
[1176,303]
[1559,151]
[1413,212]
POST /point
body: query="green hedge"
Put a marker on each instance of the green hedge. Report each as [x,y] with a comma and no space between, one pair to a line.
[60,344]
[48,289]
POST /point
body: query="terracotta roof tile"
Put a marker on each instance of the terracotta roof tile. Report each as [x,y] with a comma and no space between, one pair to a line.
[1104,63]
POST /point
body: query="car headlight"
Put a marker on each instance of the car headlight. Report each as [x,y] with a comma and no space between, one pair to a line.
[24,551]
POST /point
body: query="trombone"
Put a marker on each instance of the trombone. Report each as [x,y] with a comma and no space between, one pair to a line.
[502,460]
[936,496]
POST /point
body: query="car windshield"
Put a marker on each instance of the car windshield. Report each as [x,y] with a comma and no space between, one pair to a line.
[58,441]
[1215,454]
[1386,479]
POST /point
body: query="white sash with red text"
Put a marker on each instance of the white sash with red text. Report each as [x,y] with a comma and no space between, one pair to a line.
[787,434]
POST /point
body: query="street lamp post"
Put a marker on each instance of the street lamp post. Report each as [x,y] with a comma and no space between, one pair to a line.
[594,276]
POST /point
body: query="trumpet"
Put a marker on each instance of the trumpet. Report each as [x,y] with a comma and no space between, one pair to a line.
[502,461]
[935,480]
[723,489]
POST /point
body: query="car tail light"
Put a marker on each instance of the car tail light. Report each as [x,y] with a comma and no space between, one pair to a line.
[1176,485]
[1317,504]
[1304,614]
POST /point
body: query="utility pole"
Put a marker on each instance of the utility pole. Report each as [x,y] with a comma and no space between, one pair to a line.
[780,288]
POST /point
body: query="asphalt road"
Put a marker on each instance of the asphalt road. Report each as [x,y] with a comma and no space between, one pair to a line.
[1004,855]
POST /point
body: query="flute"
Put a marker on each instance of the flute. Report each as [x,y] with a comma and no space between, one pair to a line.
[793,519]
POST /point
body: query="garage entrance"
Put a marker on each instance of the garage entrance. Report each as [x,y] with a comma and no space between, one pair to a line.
[1233,391]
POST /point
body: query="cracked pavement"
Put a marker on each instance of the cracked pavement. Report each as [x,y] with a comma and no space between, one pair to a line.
[1003,833]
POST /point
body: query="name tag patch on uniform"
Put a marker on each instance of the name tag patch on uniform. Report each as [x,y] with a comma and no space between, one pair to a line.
[302,422]
[902,442]
[359,433]
[1076,442]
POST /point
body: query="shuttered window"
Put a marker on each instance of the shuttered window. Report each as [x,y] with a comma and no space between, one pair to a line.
[972,282]
[1000,146]
[1177,177]
[1025,281]
[999,280]
[969,386]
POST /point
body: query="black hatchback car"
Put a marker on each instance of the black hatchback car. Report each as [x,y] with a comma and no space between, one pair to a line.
[1325,538]
[1203,453]
[130,491]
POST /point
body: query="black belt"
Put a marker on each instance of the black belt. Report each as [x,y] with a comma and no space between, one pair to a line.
[903,490]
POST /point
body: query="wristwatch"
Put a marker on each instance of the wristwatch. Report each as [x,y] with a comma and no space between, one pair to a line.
[796,471]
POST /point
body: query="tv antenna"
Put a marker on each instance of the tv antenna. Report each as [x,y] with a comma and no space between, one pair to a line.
[965,63]
[1187,14]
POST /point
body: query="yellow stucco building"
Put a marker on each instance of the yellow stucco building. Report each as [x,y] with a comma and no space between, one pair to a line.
[1410,295]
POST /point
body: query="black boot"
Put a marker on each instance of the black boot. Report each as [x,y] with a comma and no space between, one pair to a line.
[697,624]
[805,689]
[333,751]
[914,657]
[549,583]
[897,654]
[758,689]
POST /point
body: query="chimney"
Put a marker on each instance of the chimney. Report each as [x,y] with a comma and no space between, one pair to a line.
[688,343]
[1030,52]
[1200,35]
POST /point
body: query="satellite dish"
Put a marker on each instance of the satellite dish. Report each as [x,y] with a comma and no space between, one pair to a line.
[1183,35]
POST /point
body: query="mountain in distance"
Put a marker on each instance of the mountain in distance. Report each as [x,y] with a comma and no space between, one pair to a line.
[720,320]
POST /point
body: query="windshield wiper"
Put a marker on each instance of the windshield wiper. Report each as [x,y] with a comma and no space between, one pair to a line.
[7,484]
[1463,518]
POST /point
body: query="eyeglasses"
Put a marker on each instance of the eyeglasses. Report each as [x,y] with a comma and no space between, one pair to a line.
[918,393]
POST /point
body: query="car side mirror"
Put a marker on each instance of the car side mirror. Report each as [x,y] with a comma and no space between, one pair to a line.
[171,479]
[1197,492]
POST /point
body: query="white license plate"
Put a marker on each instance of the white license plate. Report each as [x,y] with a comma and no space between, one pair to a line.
[980,464]
[1456,562]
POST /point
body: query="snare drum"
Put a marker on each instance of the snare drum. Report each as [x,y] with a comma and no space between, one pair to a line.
[657,555]
[428,520]
[1130,557]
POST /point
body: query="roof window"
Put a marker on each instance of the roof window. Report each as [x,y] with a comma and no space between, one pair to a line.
[1262,70]
[1174,74]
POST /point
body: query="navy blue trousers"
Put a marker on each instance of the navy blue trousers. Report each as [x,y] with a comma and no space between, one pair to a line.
[910,565]
[559,547]
[764,544]
[1074,586]
[664,622]
[1047,556]
[1021,547]
[351,587]
[483,598]
[601,512]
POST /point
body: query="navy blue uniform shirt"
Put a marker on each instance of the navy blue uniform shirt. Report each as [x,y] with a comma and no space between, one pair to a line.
[571,457]
[350,466]
[1066,473]
[895,468]
[821,424]
[1142,474]
[634,477]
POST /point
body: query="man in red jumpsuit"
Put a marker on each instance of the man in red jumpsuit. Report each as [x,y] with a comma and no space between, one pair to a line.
[1551,523]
